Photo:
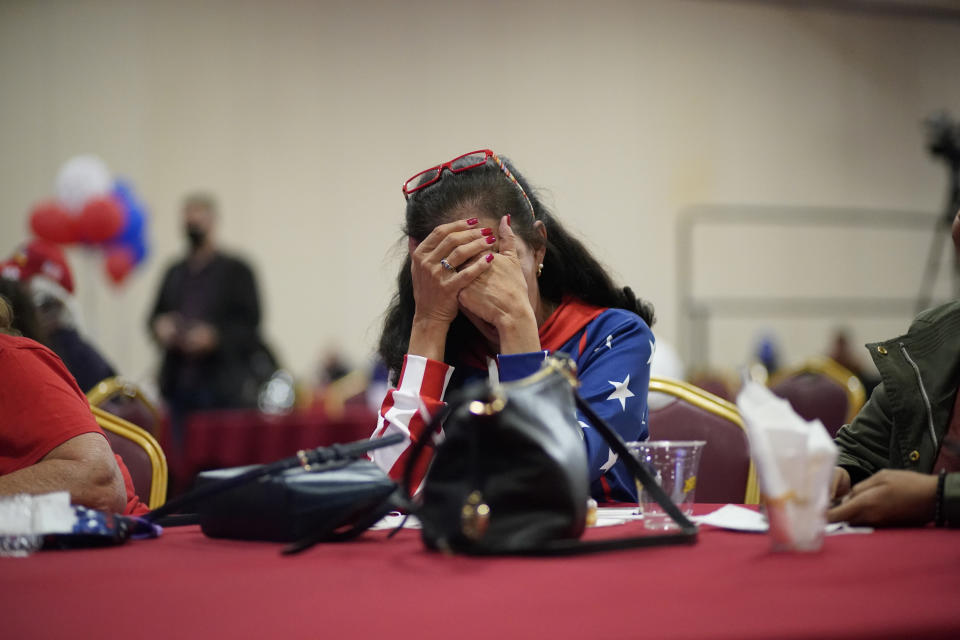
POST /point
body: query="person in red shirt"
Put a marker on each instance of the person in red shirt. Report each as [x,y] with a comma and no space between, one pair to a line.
[49,439]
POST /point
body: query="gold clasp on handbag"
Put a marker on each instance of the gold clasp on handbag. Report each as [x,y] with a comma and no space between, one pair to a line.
[565,367]
[474,516]
[495,405]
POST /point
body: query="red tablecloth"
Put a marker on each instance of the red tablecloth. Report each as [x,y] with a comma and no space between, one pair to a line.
[896,583]
[217,439]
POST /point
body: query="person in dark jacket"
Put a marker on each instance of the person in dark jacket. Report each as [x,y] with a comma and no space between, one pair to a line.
[206,319]
[899,461]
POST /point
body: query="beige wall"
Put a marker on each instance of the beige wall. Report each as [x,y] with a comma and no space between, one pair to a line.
[305,118]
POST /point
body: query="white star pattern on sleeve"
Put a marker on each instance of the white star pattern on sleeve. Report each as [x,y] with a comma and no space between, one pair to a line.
[609,344]
[653,350]
[611,460]
[621,392]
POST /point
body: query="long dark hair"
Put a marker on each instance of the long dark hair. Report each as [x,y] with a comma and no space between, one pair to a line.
[568,267]
[23,320]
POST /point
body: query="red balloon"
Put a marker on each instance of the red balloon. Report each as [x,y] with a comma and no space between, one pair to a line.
[100,220]
[119,264]
[51,222]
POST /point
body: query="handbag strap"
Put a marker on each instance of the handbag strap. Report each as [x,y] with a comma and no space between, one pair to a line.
[688,530]
[640,472]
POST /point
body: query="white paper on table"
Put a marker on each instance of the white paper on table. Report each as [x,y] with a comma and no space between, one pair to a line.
[393,520]
[52,513]
[26,514]
[736,518]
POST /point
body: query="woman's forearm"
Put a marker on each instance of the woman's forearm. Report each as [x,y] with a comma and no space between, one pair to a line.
[428,338]
[518,333]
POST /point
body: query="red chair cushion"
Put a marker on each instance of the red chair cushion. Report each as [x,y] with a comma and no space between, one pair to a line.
[815,396]
[137,461]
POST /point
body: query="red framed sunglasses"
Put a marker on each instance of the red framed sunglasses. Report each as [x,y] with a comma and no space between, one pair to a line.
[460,164]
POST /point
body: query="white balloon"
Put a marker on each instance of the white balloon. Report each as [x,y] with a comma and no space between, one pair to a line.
[80,179]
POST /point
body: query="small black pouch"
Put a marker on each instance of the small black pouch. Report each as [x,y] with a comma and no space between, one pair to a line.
[327,494]
[294,504]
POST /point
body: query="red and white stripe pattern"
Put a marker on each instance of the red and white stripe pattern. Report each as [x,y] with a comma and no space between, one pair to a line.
[407,410]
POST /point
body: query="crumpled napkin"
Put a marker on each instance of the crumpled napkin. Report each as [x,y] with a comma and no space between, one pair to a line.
[795,461]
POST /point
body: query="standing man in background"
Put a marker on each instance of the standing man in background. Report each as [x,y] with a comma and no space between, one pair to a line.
[206,320]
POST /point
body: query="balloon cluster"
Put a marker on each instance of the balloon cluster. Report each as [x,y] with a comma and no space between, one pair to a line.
[93,209]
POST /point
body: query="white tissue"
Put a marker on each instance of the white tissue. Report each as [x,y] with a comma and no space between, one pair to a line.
[795,461]
[25,514]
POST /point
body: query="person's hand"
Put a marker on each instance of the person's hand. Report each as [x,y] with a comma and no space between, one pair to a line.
[840,485]
[465,247]
[165,327]
[889,498]
[500,298]
[435,286]
[200,339]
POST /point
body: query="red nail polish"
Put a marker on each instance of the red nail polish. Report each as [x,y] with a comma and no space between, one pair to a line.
[473,221]
[491,239]
[486,231]
[489,257]
[508,220]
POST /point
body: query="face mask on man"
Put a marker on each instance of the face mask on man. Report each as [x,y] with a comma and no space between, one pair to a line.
[195,236]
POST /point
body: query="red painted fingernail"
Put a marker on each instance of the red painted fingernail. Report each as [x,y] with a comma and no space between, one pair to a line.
[508,220]
[489,257]
[486,231]
[473,221]
[491,239]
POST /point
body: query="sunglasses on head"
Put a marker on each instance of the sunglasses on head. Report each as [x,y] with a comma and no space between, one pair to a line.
[460,164]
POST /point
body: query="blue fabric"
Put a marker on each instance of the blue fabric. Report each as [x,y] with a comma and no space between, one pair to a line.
[614,373]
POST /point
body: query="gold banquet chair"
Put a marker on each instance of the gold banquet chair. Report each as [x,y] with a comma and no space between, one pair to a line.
[727,473]
[126,400]
[821,389]
[140,452]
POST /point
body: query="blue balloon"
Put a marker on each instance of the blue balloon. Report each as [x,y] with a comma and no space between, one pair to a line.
[133,229]
[133,234]
[138,249]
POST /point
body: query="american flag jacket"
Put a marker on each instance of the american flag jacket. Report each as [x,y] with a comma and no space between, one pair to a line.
[613,349]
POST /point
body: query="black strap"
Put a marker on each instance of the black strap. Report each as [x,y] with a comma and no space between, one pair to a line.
[633,465]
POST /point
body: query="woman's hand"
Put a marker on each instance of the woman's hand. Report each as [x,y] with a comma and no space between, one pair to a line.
[500,298]
[435,287]
[840,485]
[889,497]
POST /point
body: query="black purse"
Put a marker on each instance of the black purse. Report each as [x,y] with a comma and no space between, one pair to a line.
[510,474]
[328,494]
[296,505]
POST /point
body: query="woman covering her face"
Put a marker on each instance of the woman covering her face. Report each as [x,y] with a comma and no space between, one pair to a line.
[492,283]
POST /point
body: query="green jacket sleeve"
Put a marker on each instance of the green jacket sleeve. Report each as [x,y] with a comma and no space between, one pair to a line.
[865,443]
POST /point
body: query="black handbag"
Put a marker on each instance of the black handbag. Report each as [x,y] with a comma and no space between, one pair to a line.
[297,504]
[510,473]
[328,494]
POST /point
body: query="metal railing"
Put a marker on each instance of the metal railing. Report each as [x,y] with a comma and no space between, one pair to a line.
[696,312]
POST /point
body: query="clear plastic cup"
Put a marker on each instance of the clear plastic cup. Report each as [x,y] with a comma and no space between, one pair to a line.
[674,465]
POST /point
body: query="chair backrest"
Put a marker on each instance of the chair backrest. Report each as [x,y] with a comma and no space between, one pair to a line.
[140,452]
[126,400]
[821,389]
[726,473]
